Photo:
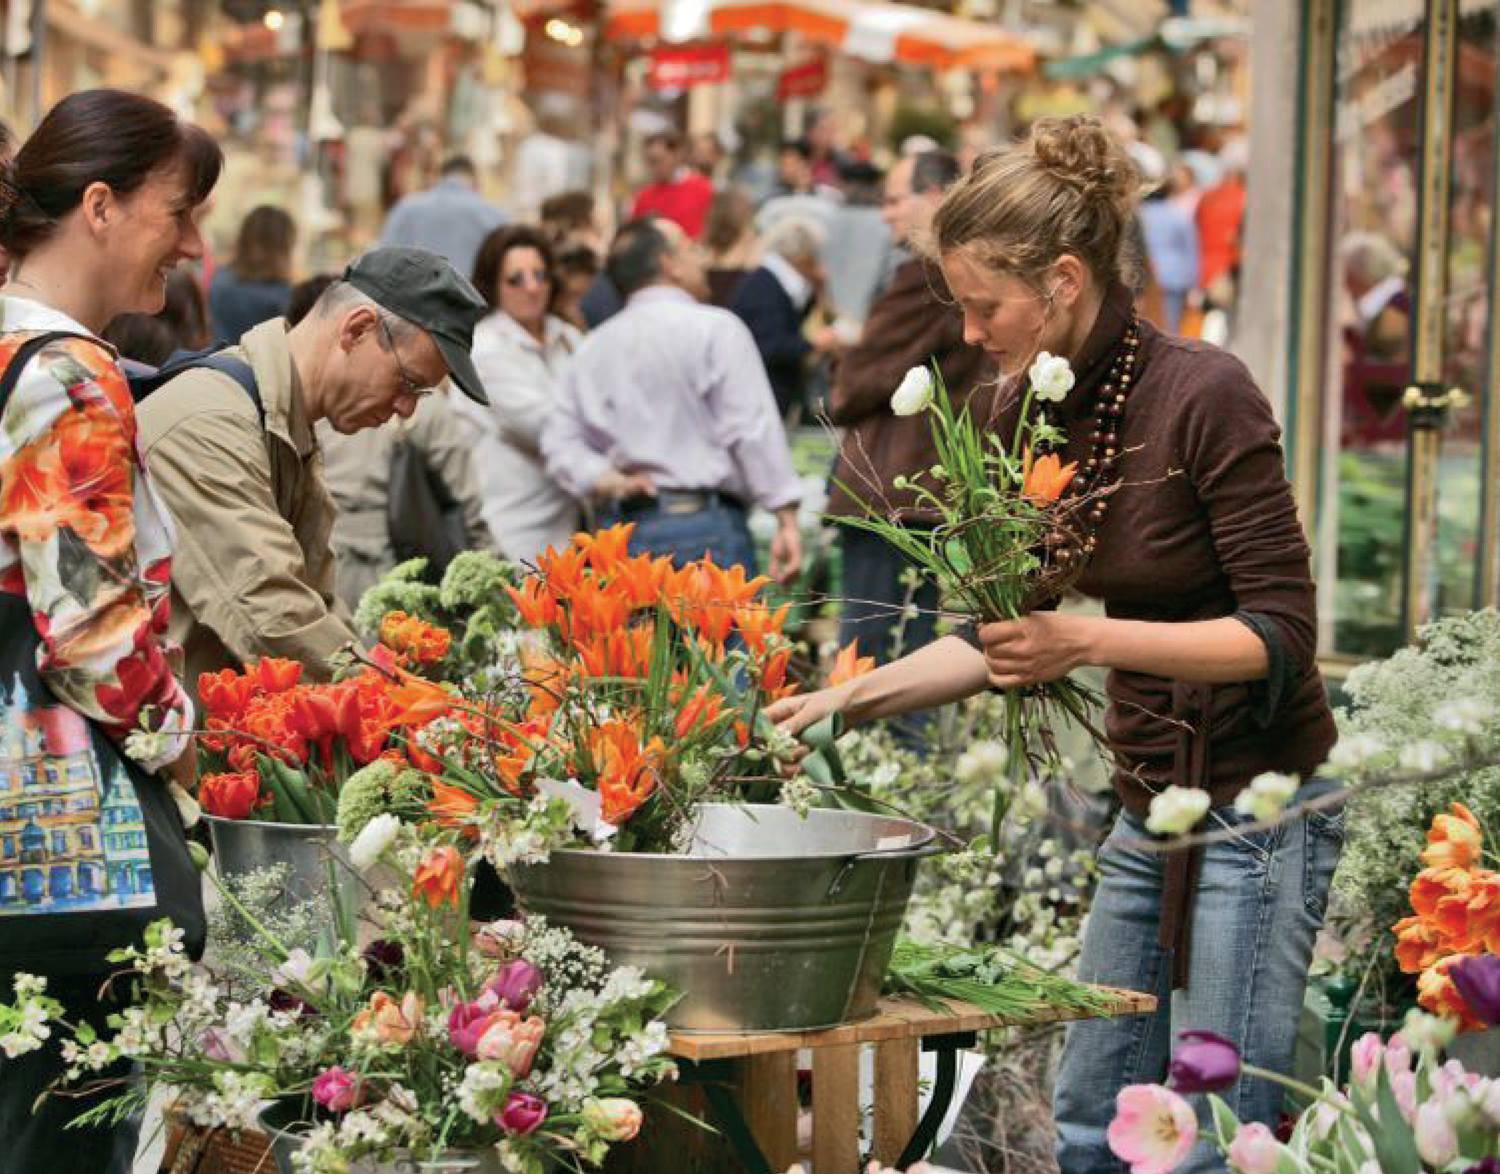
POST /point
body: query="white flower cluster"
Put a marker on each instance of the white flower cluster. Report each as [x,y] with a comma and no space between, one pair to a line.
[148,745]
[638,1050]
[531,839]
[1177,810]
[234,1102]
[799,793]
[1267,795]
[29,1030]
[329,1147]
[482,1092]
[570,966]
[982,762]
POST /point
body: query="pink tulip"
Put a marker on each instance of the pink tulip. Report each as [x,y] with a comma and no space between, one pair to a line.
[523,1113]
[467,1022]
[1365,1057]
[1254,1150]
[512,1041]
[1397,1056]
[1437,1143]
[337,1090]
[1154,1129]
[1404,1089]
[515,984]
[612,1118]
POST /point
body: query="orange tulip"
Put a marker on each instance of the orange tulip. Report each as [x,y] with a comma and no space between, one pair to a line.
[561,571]
[627,772]
[275,675]
[1435,885]
[451,806]
[1043,480]
[535,602]
[1419,944]
[391,1023]
[416,702]
[703,708]
[225,693]
[849,664]
[438,877]
[606,549]
[1454,840]
[1437,994]
[757,622]
[421,641]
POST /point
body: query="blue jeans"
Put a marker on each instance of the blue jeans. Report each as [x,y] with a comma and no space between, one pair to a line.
[718,530]
[1259,904]
[874,597]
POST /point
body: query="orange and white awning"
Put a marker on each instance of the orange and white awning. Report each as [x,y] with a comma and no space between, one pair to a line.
[880,32]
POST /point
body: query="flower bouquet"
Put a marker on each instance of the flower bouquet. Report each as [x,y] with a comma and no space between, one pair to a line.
[1403,1112]
[1015,526]
[422,1044]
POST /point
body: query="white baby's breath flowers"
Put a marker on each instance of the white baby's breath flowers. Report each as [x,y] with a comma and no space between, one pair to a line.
[1424,756]
[1266,795]
[373,840]
[1177,810]
[1354,752]
[982,762]
[1464,715]
[1051,377]
[915,393]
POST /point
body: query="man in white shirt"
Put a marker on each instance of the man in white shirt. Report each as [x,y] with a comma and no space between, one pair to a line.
[665,417]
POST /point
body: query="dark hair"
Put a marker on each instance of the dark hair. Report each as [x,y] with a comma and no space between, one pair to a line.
[568,210]
[934,171]
[669,138]
[305,295]
[635,255]
[798,147]
[182,324]
[578,259]
[459,165]
[263,251]
[492,252]
[97,136]
[730,213]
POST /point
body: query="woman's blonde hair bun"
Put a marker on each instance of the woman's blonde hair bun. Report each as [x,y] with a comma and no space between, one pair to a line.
[1080,152]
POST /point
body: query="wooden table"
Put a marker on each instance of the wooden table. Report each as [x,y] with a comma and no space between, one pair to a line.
[749,1084]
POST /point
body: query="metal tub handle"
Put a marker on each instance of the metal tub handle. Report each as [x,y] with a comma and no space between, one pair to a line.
[904,851]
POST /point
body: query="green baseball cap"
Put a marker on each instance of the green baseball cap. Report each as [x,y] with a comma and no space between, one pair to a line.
[426,291]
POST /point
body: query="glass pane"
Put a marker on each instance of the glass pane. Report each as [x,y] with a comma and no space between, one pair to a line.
[1471,204]
[1372,231]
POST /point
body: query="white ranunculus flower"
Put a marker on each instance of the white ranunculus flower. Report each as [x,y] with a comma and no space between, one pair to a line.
[1266,795]
[1051,377]
[1177,810]
[373,839]
[915,393]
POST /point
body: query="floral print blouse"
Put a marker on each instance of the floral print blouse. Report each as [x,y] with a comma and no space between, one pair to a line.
[83,537]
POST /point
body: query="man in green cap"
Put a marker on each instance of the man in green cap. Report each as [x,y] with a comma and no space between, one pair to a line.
[232,449]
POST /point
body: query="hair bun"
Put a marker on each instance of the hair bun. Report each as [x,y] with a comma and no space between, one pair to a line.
[1080,152]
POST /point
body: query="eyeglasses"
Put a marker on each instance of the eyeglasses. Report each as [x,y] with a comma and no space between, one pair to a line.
[517,279]
[409,385]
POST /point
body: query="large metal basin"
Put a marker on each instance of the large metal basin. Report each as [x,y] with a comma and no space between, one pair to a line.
[771,922]
[311,852]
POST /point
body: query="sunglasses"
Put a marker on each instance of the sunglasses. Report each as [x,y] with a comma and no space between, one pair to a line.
[517,279]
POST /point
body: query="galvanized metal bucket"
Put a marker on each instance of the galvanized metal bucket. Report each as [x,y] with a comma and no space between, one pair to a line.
[770,922]
[285,1123]
[312,852]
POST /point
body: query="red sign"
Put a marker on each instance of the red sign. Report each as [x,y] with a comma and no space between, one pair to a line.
[806,80]
[681,66]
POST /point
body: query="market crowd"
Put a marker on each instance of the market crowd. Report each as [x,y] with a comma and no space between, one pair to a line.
[206,462]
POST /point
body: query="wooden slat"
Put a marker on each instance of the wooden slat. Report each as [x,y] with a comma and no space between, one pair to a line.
[768,1098]
[895,1096]
[835,1097]
[894,1019]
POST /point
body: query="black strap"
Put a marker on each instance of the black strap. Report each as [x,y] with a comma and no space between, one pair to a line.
[24,354]
[215,359]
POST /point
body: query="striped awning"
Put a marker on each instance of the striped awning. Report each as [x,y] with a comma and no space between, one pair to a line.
[878,32]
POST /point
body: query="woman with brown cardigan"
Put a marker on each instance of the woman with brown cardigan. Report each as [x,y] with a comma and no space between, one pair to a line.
[1208,632]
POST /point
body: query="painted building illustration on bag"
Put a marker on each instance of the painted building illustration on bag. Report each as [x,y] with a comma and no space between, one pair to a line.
[70,840]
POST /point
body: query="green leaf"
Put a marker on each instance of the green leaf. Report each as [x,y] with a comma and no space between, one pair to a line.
[1395,1147]
[1226,1124]
[957,555]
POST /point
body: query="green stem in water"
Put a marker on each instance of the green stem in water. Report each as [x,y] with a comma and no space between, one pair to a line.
[1296,1086]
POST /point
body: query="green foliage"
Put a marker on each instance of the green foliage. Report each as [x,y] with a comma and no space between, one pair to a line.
[932,121]
[379,788]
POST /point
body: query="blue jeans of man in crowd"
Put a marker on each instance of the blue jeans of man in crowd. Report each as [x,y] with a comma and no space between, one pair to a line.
[1259,904]
[719,529]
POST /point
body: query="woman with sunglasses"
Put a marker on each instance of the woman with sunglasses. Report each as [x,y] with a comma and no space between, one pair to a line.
[520,350]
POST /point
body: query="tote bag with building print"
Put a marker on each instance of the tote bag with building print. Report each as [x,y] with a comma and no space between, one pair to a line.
[91,848]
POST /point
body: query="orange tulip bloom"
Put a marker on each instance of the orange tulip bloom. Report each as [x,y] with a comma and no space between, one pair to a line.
[756,622]
[1437,994]
[414,638]
[849,664]
[438,877]
[416,702]
[606,549]
[451,806]
[225,693]
[1043,480]
[275,675]
[640,580]
[627,772]
[1454,840]
[561,571]
[1419,944]
[1434,885]
[535,601]
[389,1022]
[703,708]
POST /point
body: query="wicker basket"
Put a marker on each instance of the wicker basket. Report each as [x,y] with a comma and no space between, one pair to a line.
[193,1150]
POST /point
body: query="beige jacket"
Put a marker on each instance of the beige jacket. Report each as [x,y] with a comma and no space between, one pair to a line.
[252,572]
[357,470]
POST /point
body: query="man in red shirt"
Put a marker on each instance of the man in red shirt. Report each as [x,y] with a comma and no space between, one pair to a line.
[675,193]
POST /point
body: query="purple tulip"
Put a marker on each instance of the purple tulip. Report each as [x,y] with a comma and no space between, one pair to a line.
[515,984]
[1488,1166]
[1203,1062]
[1478,981]
[523,1113]
[384,960]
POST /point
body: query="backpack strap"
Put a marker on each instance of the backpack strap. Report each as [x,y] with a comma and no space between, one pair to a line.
[214,358]
[25,353]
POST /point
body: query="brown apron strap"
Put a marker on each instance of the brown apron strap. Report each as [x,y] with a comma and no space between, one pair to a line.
[1190,768]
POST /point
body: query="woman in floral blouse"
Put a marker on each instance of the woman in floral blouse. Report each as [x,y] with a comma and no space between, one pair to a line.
[96,209]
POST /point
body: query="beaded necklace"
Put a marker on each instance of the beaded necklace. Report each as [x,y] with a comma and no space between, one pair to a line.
[1100,469]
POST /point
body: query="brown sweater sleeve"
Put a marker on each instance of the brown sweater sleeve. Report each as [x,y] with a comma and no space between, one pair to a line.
[1229,444]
